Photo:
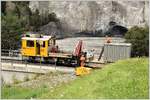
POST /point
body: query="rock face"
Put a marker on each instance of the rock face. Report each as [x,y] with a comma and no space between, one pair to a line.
[76,16]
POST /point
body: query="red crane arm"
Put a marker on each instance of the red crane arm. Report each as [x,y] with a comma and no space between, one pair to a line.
[78,48]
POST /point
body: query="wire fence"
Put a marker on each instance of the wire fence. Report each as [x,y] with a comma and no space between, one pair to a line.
[10,53]
[14,59]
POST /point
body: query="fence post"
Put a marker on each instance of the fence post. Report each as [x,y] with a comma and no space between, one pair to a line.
[22,59]
[26,63]
[40,62]
[11,60]
[55,62]
[12,64]
[9,52]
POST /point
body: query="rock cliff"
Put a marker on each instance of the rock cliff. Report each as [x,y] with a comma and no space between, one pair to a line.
[76,16]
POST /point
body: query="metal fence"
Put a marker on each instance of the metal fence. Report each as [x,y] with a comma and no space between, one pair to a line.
[10,53]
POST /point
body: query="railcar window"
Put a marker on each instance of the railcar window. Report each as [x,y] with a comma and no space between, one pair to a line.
[30,43]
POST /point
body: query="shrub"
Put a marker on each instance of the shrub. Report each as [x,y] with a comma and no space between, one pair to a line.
[36,76]
[26,78]
[138,37]
[15,80]
[7,85]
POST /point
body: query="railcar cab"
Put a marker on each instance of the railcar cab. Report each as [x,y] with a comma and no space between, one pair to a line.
[37,45]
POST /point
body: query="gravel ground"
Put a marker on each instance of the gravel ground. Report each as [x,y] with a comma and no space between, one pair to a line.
[49,80]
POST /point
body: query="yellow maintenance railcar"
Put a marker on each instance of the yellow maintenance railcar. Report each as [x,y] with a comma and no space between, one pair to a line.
[33,46]
[39,46]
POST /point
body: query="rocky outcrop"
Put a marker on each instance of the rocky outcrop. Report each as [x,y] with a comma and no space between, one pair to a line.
[77,16]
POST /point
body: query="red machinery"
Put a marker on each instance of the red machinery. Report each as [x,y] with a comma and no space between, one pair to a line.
[78,49]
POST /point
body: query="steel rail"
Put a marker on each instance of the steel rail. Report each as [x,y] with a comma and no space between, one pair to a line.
[18,61]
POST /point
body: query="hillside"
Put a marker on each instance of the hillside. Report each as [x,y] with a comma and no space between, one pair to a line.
[123,79]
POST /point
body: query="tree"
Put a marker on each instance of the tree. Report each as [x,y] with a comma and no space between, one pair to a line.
[139,38]
[11,32]
[3,7]
[35,20]
[17,11]
[19,20]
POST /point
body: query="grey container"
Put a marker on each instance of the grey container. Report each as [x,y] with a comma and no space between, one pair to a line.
[116,51]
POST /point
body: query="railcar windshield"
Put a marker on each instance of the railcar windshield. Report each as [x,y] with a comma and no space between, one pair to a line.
[30,43]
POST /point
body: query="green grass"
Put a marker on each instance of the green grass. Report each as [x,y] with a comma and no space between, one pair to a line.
[22,93]
[123,79]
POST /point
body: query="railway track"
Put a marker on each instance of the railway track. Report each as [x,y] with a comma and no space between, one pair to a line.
[35,63]
[29,67]
[52,64]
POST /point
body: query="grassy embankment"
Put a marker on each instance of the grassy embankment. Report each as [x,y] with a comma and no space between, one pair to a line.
[123,79]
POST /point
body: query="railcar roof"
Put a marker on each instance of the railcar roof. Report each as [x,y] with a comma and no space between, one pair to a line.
[42,38]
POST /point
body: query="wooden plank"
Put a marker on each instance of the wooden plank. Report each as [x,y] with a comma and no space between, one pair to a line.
[61,55]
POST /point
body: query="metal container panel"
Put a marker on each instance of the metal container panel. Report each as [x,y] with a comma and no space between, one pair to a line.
[116,51]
